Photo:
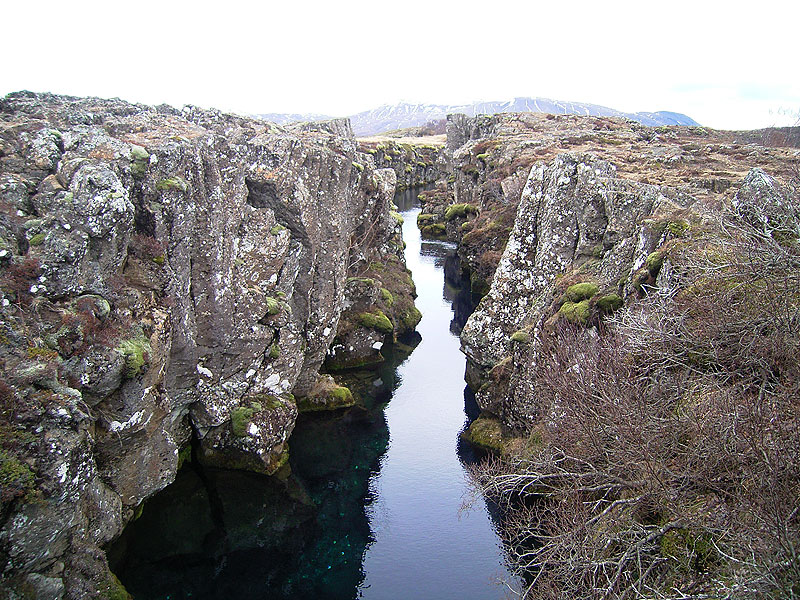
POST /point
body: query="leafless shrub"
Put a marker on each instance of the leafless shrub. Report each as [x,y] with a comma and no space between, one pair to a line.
[670,456]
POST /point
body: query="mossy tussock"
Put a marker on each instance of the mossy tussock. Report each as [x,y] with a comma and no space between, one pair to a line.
[575,312]
[486,433]
[136,352]
[326,395]
[460,211]
[581,291]
[376,320]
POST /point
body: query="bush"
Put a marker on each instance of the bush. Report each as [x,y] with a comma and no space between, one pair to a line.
[671,460]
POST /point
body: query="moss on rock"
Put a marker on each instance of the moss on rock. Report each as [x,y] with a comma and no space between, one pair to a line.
[609,303]
[486,433]
[326,395]
[425,219]
[376,320]
[172,184]
[136,352]
[458,211]
[37,240]
[435,230]
[521,336]
[654,262]
[16,478]
[140,159]
[410,318]
[273,306]
[240,418]
[575,312]
[114,590]
[581,291]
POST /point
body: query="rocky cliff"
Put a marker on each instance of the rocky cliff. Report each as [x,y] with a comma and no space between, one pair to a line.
[416,162]
[635,357]
[491,158]
[538,203]
[169,274]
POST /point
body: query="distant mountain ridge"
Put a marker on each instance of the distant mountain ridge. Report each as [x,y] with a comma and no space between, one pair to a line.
[404,114]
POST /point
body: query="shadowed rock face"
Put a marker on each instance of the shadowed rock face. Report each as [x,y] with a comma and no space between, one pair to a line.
[163,271]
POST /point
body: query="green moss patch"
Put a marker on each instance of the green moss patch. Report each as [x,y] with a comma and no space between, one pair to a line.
[140,159]
[376,320]
[16,478]
[609,303]
[37,240]
[436,230]
[486,433]
[327,396]
[575,312]
[410,318]
[184,456]
[581,291]
[114,590]
[521,336]
[242,416]
[136,351]
[172,184]
[458,211]
[653,262]
[273,306]
[240,419]
[678,228]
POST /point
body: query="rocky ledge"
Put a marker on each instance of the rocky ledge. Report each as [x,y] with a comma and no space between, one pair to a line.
[168,275]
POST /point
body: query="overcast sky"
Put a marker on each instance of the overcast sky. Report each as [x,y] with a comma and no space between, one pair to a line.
[730,65]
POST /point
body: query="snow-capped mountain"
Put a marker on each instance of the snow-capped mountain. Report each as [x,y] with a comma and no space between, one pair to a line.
[404,114]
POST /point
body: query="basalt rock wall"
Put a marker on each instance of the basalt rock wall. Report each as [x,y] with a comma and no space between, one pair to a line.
[165,273]
[568,219]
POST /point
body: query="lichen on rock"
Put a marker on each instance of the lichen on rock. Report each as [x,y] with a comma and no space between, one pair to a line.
[171,272]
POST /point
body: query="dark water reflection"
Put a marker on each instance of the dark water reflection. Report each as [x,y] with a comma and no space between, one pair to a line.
[371,509]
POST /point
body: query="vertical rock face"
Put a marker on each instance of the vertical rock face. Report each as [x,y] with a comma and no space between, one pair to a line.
[163,271]
[414,165]
[577,224]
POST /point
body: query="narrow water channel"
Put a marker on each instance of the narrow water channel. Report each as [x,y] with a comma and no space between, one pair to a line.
[423,544]
[372,507]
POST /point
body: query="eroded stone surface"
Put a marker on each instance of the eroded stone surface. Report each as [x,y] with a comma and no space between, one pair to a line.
[160,269]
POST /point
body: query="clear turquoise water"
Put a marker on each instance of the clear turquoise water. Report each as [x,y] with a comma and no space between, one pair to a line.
[373,508]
